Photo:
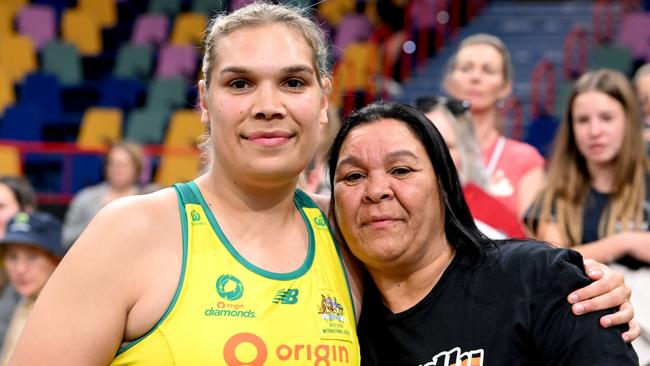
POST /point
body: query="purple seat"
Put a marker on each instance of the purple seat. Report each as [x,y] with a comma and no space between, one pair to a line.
[635,34]
[177,61]
[38,22]
[150,29]
[353,28]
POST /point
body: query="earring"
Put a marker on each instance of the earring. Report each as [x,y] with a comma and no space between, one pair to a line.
[500,103]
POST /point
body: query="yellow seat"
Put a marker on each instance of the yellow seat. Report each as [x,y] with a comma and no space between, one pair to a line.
[17,56]
[7,96]
[184,129]
[82,30]
[178,167]
[6,19]
[333,10]
[10,163]
[100,127]
[188,28]
[355,71]
[104,11]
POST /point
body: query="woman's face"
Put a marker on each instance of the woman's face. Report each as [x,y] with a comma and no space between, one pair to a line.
[643,88]
[444,126]
[121,172]
[598,126]
[28,268]
[8,207]
[387,201]
[264,105]
[479,77]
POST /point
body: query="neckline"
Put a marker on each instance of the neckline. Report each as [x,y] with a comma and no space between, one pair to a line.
[282,276]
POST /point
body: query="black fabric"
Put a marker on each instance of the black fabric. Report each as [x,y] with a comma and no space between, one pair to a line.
[511,310]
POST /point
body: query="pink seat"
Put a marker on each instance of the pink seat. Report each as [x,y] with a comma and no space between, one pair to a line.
[177,61]
[150,29]
[635,34]
[37,22]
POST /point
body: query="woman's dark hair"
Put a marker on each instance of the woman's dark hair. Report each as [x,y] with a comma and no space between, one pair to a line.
[22,190]
[460,229]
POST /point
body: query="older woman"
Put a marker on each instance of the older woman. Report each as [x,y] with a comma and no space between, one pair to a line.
[445,294]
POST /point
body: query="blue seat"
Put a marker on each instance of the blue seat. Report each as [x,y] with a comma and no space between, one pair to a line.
[121,93]
[23,121]
[43,90]
[87,170]
[541,133]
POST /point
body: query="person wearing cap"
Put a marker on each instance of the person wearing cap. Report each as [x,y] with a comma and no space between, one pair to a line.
[31,249]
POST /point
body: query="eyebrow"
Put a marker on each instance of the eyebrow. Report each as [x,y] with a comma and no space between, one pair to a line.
[353,160]
[294,69]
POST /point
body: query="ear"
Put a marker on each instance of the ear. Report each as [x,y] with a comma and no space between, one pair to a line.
[506,90]
[324,102]
[203,103]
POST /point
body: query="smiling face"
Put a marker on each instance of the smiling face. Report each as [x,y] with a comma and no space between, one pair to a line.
[478,75]
[264,104]
[598,126]
[387,200]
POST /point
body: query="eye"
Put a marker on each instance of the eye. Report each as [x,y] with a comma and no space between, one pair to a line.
[294,83]
[239,84]
[353,177]
[581,119]
[401,171]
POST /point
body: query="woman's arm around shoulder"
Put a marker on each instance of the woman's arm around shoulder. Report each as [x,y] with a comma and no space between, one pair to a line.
[82,315]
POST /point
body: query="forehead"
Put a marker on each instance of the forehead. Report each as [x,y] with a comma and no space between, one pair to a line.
[381,138]
[594,101]
[480,53]
[262,47]
[6,194]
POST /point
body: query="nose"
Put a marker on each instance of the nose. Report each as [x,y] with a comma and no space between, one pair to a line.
[594,128]
[378,189]
[268,103]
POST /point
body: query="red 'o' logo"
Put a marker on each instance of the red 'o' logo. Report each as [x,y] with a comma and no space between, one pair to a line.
[230,348]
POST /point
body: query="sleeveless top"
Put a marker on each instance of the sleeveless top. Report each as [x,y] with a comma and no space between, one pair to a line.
[227,311]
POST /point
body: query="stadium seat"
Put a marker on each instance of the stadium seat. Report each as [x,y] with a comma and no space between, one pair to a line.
[43,90]
[188,29]
[184,129]
[7,95]
[177,61]
[104,11]
[134,61]
[17,56]
[10,163]
[611,57]
[82,30]
[62,60]
[634,33]
[38,22]
[167,7]
[99,127]
[121,93]
[167,93]
[177,167]
[13,7]
[150,29]
[209,8]
[146,126]
[22,122]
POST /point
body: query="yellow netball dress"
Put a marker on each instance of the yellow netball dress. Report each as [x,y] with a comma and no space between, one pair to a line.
[227,311]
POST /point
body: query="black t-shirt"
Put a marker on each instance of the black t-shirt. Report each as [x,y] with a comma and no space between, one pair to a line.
[511,310]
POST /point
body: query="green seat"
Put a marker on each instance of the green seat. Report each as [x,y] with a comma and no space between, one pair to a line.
[169,7]
[62,59]
[147,125]
[300,4]
[209,7]
[562,98]
[611,57]
[134,61]
[167,93]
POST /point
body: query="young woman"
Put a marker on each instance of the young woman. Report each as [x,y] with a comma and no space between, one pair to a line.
[481,72]
[597,199]
[445,294]
[213,271]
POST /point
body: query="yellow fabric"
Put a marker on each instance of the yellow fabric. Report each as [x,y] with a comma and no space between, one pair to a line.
[229,312]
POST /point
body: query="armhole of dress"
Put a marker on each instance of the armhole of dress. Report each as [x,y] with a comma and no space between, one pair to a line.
[181,190]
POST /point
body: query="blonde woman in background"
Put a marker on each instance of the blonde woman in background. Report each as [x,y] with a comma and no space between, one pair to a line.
[597,198]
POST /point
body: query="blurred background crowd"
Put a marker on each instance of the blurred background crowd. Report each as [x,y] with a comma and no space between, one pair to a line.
[545,106]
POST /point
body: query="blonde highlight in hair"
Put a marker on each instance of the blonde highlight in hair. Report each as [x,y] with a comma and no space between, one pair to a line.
[569,180]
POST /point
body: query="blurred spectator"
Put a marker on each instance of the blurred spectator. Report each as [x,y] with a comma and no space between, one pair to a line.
[31,249]
[642,84]
[453,121]
[481,72]
[123,167]
[597,198]
[16,194]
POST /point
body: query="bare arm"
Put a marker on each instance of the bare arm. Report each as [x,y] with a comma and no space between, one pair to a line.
[528,188]
[80,318]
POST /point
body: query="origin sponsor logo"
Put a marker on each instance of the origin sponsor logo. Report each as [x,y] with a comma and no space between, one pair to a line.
[306,354]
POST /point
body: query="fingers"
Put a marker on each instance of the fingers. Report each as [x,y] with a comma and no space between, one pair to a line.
[595,270]
[633,333]
[607,292]
[624,315]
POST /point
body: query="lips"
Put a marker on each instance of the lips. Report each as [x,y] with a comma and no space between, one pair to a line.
[381,221]
[269,139]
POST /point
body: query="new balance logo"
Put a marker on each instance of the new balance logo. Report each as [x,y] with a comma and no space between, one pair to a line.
[286,296]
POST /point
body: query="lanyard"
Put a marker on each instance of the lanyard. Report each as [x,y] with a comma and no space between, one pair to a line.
[496,155]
